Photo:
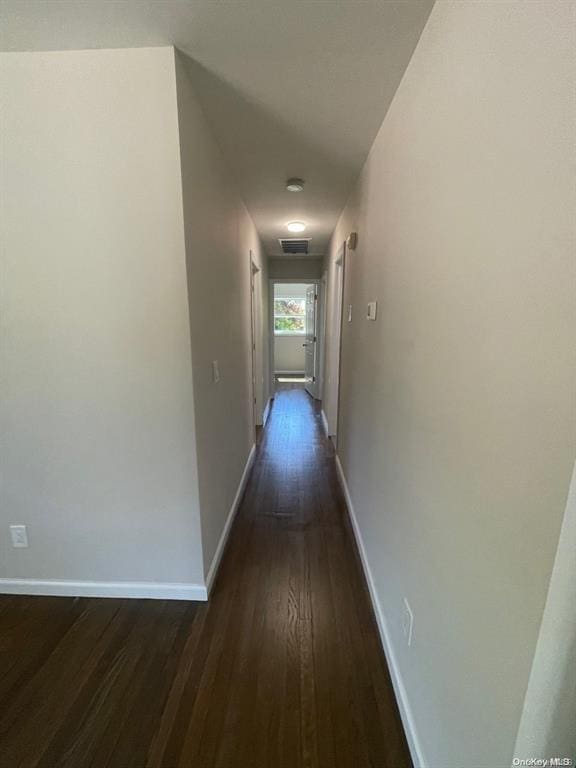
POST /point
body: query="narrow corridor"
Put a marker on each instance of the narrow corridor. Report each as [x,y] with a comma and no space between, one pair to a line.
[288,670]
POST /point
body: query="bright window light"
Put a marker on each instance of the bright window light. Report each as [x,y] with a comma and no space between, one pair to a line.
[289,316]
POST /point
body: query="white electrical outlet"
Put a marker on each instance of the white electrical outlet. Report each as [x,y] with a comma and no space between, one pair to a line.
[407,622]
[19,536]
[215,371]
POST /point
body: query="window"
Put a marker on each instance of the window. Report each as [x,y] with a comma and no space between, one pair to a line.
[289,317]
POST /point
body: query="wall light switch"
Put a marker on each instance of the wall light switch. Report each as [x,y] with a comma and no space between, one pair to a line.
[19,536]
[215,371]
[372,309]
[349,313]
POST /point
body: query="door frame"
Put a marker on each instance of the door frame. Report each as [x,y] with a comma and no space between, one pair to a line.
[318,282]
[314,388]
[254,269]
[337,323]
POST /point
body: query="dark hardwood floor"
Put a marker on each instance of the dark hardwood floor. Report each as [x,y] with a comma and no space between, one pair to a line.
[281,669]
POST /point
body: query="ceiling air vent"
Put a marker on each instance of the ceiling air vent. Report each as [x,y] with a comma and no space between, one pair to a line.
[294,245]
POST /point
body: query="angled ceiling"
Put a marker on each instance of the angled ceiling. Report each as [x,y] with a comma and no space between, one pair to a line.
[291,87]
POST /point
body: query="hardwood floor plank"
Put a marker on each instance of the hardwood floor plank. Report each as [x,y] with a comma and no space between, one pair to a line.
[308,713]
[31,631]
[103,694]
[163,739]
[38,710]
[127,745]
[238,746]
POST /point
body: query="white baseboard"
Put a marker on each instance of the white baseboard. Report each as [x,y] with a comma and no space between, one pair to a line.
[228,524]
[266,412]
[289,373]
[325,423]
[130,589]
[401,694]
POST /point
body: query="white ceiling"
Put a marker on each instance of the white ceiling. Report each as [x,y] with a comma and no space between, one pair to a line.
[291,87]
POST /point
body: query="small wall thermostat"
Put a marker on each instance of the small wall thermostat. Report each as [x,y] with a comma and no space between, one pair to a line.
[372,309]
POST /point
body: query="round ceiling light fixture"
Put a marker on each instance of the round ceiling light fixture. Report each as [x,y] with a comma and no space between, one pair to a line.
[295,185]
[296,226]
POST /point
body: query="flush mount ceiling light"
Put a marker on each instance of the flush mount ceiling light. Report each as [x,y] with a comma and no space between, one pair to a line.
[295,185]
[296,226]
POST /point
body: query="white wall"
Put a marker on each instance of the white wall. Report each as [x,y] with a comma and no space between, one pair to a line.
[289,354]
[97,450]
[219,238]
[126,271]
[291,290]
[457,420]
[549,713]
[295,269]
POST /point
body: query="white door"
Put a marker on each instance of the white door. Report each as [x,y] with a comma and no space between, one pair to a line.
[311,342]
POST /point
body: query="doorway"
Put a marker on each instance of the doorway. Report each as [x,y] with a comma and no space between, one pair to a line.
[336,312]
[255,324]
[295,352]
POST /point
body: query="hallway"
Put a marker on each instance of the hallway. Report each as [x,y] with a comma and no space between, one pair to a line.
[282,668]
[287,423]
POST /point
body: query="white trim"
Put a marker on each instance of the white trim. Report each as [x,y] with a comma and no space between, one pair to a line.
[325,423]
[130,589]
[401,694]
[291,373]
[322,308]
[338,333]
[266,411]
[228,524]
